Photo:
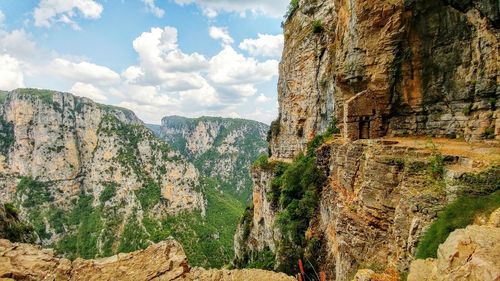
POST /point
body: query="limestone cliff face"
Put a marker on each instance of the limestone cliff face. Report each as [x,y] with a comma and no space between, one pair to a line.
[388,68]
[163,261]
[388,74]
[83,171]
[256,231]
[221,148]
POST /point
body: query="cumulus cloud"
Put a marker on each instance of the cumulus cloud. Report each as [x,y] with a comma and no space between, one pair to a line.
[272,8]
[189,82]
[221,33]
[152,8]
[18,44]
[165,79]
[230,67]
[11,75]
[265,45]
[49,12]
[84,71]
[89,91]
[162,62]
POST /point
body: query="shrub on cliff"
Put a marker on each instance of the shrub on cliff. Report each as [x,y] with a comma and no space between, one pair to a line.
[300,186]
[317,27]
[480,195]
[292,7]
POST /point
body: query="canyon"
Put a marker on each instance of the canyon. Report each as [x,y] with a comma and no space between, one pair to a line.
[94,181]
[394,103]
[383,163]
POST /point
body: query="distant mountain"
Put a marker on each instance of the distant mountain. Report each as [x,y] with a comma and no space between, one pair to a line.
[93,180]
[90,178]
[222,149]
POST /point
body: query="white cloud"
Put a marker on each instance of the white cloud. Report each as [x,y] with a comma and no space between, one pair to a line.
[262,98]
[49,12]
[84,71]
[210,13]
[166,80]
[273,8]
[152,8]
[11,75]
[2,18]
[229,68]
[18,44]
[162,62]
[265,45]
[221,33]
[89,91]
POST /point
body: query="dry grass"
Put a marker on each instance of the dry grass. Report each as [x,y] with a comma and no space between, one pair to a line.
[485,153]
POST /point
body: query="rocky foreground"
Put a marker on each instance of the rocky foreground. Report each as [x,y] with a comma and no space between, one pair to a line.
[163,261]
[472,253]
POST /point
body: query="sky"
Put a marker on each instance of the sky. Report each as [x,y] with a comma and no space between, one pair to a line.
[155,57]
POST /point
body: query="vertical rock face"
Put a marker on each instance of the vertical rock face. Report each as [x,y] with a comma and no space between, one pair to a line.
[221,148]
[375,205]
[394,69]
[80,171]
[256,231]
[388,68]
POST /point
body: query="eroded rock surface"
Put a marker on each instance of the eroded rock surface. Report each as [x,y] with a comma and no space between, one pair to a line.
[163,261]
[472,253]
[393,68]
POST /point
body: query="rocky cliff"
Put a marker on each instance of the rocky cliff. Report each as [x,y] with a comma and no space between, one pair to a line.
[472,253]
[92,179]
[163,261]
[222,149]
[394,103]
[390,68]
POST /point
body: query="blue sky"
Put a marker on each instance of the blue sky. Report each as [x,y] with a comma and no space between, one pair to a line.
[156,57]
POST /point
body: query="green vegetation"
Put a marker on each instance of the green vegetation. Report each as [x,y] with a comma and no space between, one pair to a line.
[262,260]
[3,96]
[468,109]
[262,163]
[274,130]
[274,193]
[317,27]
[239,182]
[6,136]
[208,240]
[457,215]
[108,192]
[36,193]
[300,187]
[493,103]
[489,133]
[295,190]
[133,237]
[149,195]
[292,8]
[483,183]
[12,228]
[47,96]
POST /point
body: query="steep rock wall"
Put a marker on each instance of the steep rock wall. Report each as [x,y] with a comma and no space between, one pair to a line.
[256,230]
[388,68]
